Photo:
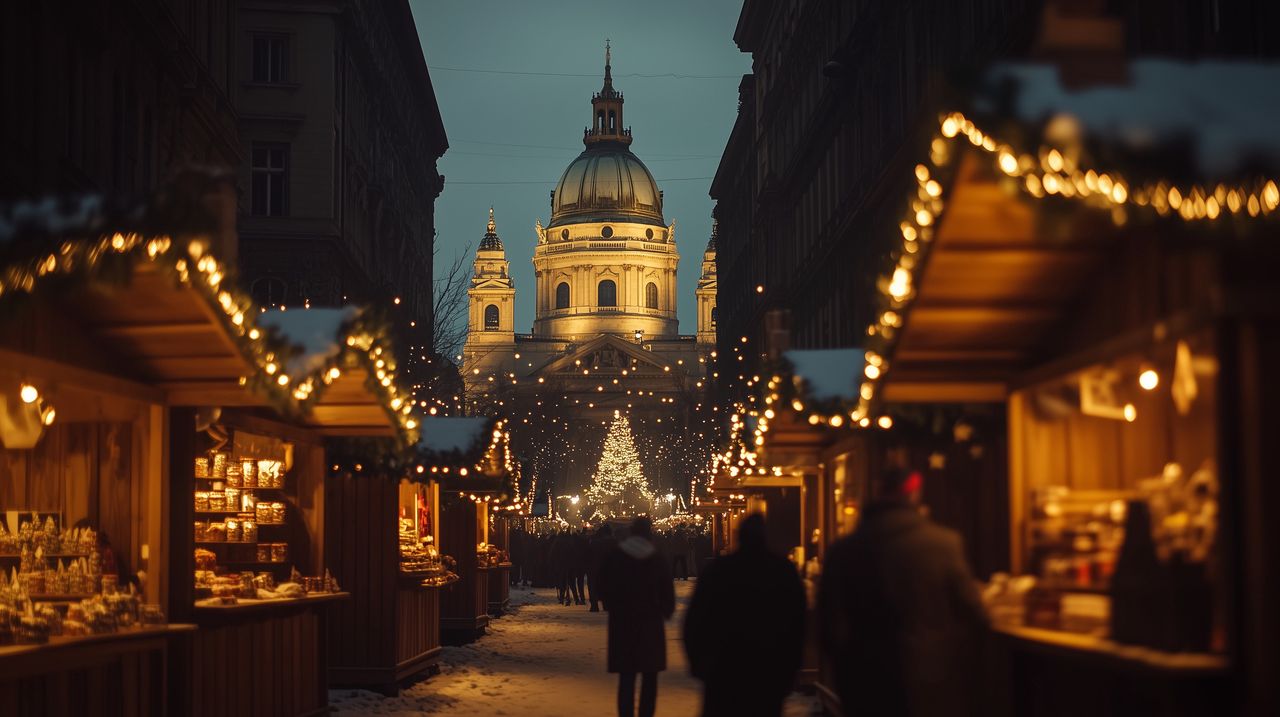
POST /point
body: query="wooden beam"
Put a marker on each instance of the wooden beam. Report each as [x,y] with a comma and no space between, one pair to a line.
[94,381]
[149,330]
[945,392]
[216,392]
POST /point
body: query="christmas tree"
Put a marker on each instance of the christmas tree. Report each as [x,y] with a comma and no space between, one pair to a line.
[619,486]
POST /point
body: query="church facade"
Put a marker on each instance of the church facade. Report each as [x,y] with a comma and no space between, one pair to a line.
[605,335]
[605,292]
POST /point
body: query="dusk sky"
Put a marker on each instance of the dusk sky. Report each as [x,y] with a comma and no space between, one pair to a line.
[511,134]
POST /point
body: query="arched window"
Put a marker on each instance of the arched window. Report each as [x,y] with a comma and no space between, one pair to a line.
[562,295]
[600,121]
[651,295]
[607,293]
[713,317]
[269,291]
[613,123]
[491,317]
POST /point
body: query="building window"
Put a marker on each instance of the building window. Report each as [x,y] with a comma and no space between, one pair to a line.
[270,61]
[269,291]
[607,293]
[491,317]
[651,295]
[270,169]
[713,317]
[562,295]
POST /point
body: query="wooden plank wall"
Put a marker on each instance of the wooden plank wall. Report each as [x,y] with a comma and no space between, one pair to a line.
[466,599]
[417,625]
[362,548]
[123,680]
[257,665]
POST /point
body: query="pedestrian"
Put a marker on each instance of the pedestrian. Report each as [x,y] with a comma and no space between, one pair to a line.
[602,543]
[744,631]
[563,558]
[900,612]
[640,596]
[679,554]
[581,561]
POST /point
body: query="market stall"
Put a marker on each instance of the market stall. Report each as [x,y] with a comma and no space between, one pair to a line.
[383,536]
[1107,275]
[471,459]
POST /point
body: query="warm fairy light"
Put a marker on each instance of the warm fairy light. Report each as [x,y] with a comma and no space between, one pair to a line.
[28,393]
[885,422]
[1130,412]
[1149,379]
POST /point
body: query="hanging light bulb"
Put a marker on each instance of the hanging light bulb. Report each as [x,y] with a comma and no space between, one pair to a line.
[1148,379]
[29,393]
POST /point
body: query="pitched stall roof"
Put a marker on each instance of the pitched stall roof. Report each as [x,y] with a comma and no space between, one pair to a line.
[1021,201]
[150,290]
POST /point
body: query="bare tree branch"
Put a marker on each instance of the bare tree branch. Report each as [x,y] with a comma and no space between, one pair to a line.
[450,294]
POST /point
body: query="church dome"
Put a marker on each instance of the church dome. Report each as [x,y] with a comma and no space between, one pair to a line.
[606,183]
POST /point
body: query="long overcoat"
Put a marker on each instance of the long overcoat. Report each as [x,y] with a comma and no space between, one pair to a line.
[640,596]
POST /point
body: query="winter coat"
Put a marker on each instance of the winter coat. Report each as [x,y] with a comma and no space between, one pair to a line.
[581,559]
[900,615]
[600,547]
[560,557]
[638,593]
[744,632]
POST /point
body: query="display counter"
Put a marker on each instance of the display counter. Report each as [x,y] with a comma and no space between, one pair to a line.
[73,675]
[499,596]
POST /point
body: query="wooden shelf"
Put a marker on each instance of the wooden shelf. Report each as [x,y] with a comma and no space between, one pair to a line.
[60,597]
[47,556]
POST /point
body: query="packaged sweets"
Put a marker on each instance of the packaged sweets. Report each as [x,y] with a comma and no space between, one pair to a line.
[249,472]
[202,530]
[264,552]
[233,475]
[219,465]
[279,552]
[202,467]
[233,498]
[263,512]
[249,530]
[217,500]
[277,512]
[202,501]
[216,533]
[233,530]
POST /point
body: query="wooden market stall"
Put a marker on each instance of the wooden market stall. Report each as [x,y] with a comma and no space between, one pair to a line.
[383,538]
[471,458]
[1118,299]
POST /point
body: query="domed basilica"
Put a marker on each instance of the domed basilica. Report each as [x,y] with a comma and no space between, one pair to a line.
[605,336]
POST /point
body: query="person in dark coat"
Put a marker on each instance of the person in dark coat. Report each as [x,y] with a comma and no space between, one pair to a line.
[602,543]
[561,559]
[640,596]
[744,631]
[900,611]
[581,561]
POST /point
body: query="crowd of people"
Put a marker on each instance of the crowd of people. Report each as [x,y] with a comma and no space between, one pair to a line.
[898,609]
[570,559]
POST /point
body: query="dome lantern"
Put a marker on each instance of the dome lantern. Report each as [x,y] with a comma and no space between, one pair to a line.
[606,111]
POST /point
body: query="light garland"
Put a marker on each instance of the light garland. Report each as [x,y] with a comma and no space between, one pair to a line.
[1050,172]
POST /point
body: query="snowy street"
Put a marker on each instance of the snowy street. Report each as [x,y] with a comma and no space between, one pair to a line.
[540,660]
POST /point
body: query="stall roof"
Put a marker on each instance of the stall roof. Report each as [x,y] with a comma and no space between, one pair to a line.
[977,283]
[164,310]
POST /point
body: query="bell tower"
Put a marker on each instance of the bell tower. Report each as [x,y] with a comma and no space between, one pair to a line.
[606,110]
[490,319]
[706,292]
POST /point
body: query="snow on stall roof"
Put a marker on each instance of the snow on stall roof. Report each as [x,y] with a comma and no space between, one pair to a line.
[452,433]
[1225,110]
[52,216]
[315,331]
[828,373]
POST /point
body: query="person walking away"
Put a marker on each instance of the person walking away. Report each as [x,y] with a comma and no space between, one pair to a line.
[900,612]
[679,558]
[602,543]
[640,596]
[559,560]
[744,630]
[581,560]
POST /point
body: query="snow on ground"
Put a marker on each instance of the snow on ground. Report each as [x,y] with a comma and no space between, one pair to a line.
[540,660]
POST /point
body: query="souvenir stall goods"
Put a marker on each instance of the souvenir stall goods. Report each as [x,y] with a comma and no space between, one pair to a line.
[1119,319]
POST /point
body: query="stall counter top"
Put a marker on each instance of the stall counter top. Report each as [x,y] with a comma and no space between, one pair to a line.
[246,605]
[69,642]
[1077,644]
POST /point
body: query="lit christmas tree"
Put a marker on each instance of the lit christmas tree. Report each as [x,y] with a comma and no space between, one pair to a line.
[619,486]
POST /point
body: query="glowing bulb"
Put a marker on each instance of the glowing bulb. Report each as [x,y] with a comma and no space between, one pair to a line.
[1149,379]
[885,422]
[28,393]
[1130,412]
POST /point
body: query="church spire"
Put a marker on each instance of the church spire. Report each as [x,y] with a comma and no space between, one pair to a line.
[606,109]
[491,242]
